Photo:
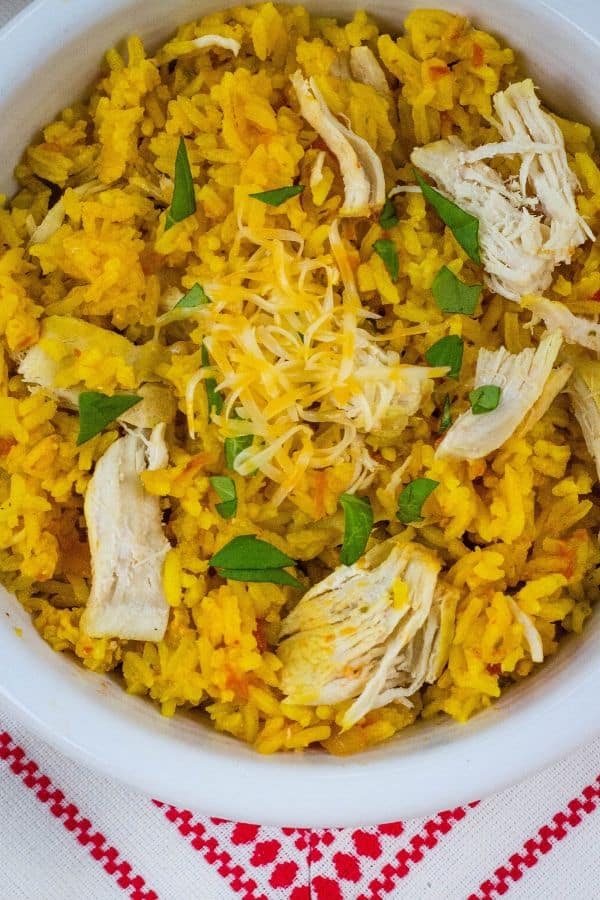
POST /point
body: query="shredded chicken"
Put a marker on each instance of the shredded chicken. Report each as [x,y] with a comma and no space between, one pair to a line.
[529,225]
[55,216]
[316,173]
[584,393]
[389,391]
[557,317]
[362,172]
[556,383]
[522,378]
[127,543]
[373,632]
[216,40]
[530,632]
[365,68]
[55,363]
[511,238]
[546,173]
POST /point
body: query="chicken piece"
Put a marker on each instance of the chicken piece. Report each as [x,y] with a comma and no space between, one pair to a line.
[158,406]
[366,69]
[54,363]
[207,41]
[127,544]
[511,239]
[373,632]
[584,393]
[521,378]
[362,172]
[526,226]
[558,317]
[177,48]
[55,216]
[389,391]
[545,173]
[532,635]
[556,383]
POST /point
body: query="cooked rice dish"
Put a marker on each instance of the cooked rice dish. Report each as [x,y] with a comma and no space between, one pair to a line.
[300,402]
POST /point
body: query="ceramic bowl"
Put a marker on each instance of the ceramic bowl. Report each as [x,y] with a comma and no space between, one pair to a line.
[50,54]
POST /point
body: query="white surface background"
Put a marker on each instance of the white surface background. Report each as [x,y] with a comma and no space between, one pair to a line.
[40,858]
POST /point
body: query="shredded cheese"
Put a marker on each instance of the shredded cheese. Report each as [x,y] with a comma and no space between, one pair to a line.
[297,366]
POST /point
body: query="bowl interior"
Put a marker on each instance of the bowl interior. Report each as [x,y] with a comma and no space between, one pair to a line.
[181,760]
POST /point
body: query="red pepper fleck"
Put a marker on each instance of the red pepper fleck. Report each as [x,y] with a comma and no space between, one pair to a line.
[150,261]
[236,683]
[478,57]
[596,297]
[6,445]
[494,668]
[260,636]
[438,72]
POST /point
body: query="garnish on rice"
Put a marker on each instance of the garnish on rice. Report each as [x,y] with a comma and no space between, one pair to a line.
[358,522]
[183,202]
[97,410]
[277,196]
[247,558]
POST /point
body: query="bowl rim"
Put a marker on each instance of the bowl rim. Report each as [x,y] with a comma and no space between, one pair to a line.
[356,789]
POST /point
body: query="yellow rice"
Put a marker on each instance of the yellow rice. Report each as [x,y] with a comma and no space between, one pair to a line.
[522,522]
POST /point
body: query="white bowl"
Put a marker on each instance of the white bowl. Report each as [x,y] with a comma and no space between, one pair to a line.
[49,55]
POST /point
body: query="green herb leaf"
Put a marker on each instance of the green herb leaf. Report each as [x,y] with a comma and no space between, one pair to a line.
[248,552]
[358,522]
[234,446]
[446,417]
[448,351]
[225,488]
[279,195]
[454,296]
[412,498]
[388,253]
[183,202]
[196,296]
[266,576]
[96,411]
[463,225]
[484,399]
[388,217]
[215,400]
[247,558]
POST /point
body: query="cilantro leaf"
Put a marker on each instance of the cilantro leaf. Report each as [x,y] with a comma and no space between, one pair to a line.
[183,202]
[234,446]
[279,195]
[463,225]
[265,576]
[225,488]
[448,351]
[454,296]
[484,399]
[196,296]
[388,253]
[446,417]
[215,400]
[412,498]
[358,522]
[96,411]
[247,558]
[248,552]
[388,217]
